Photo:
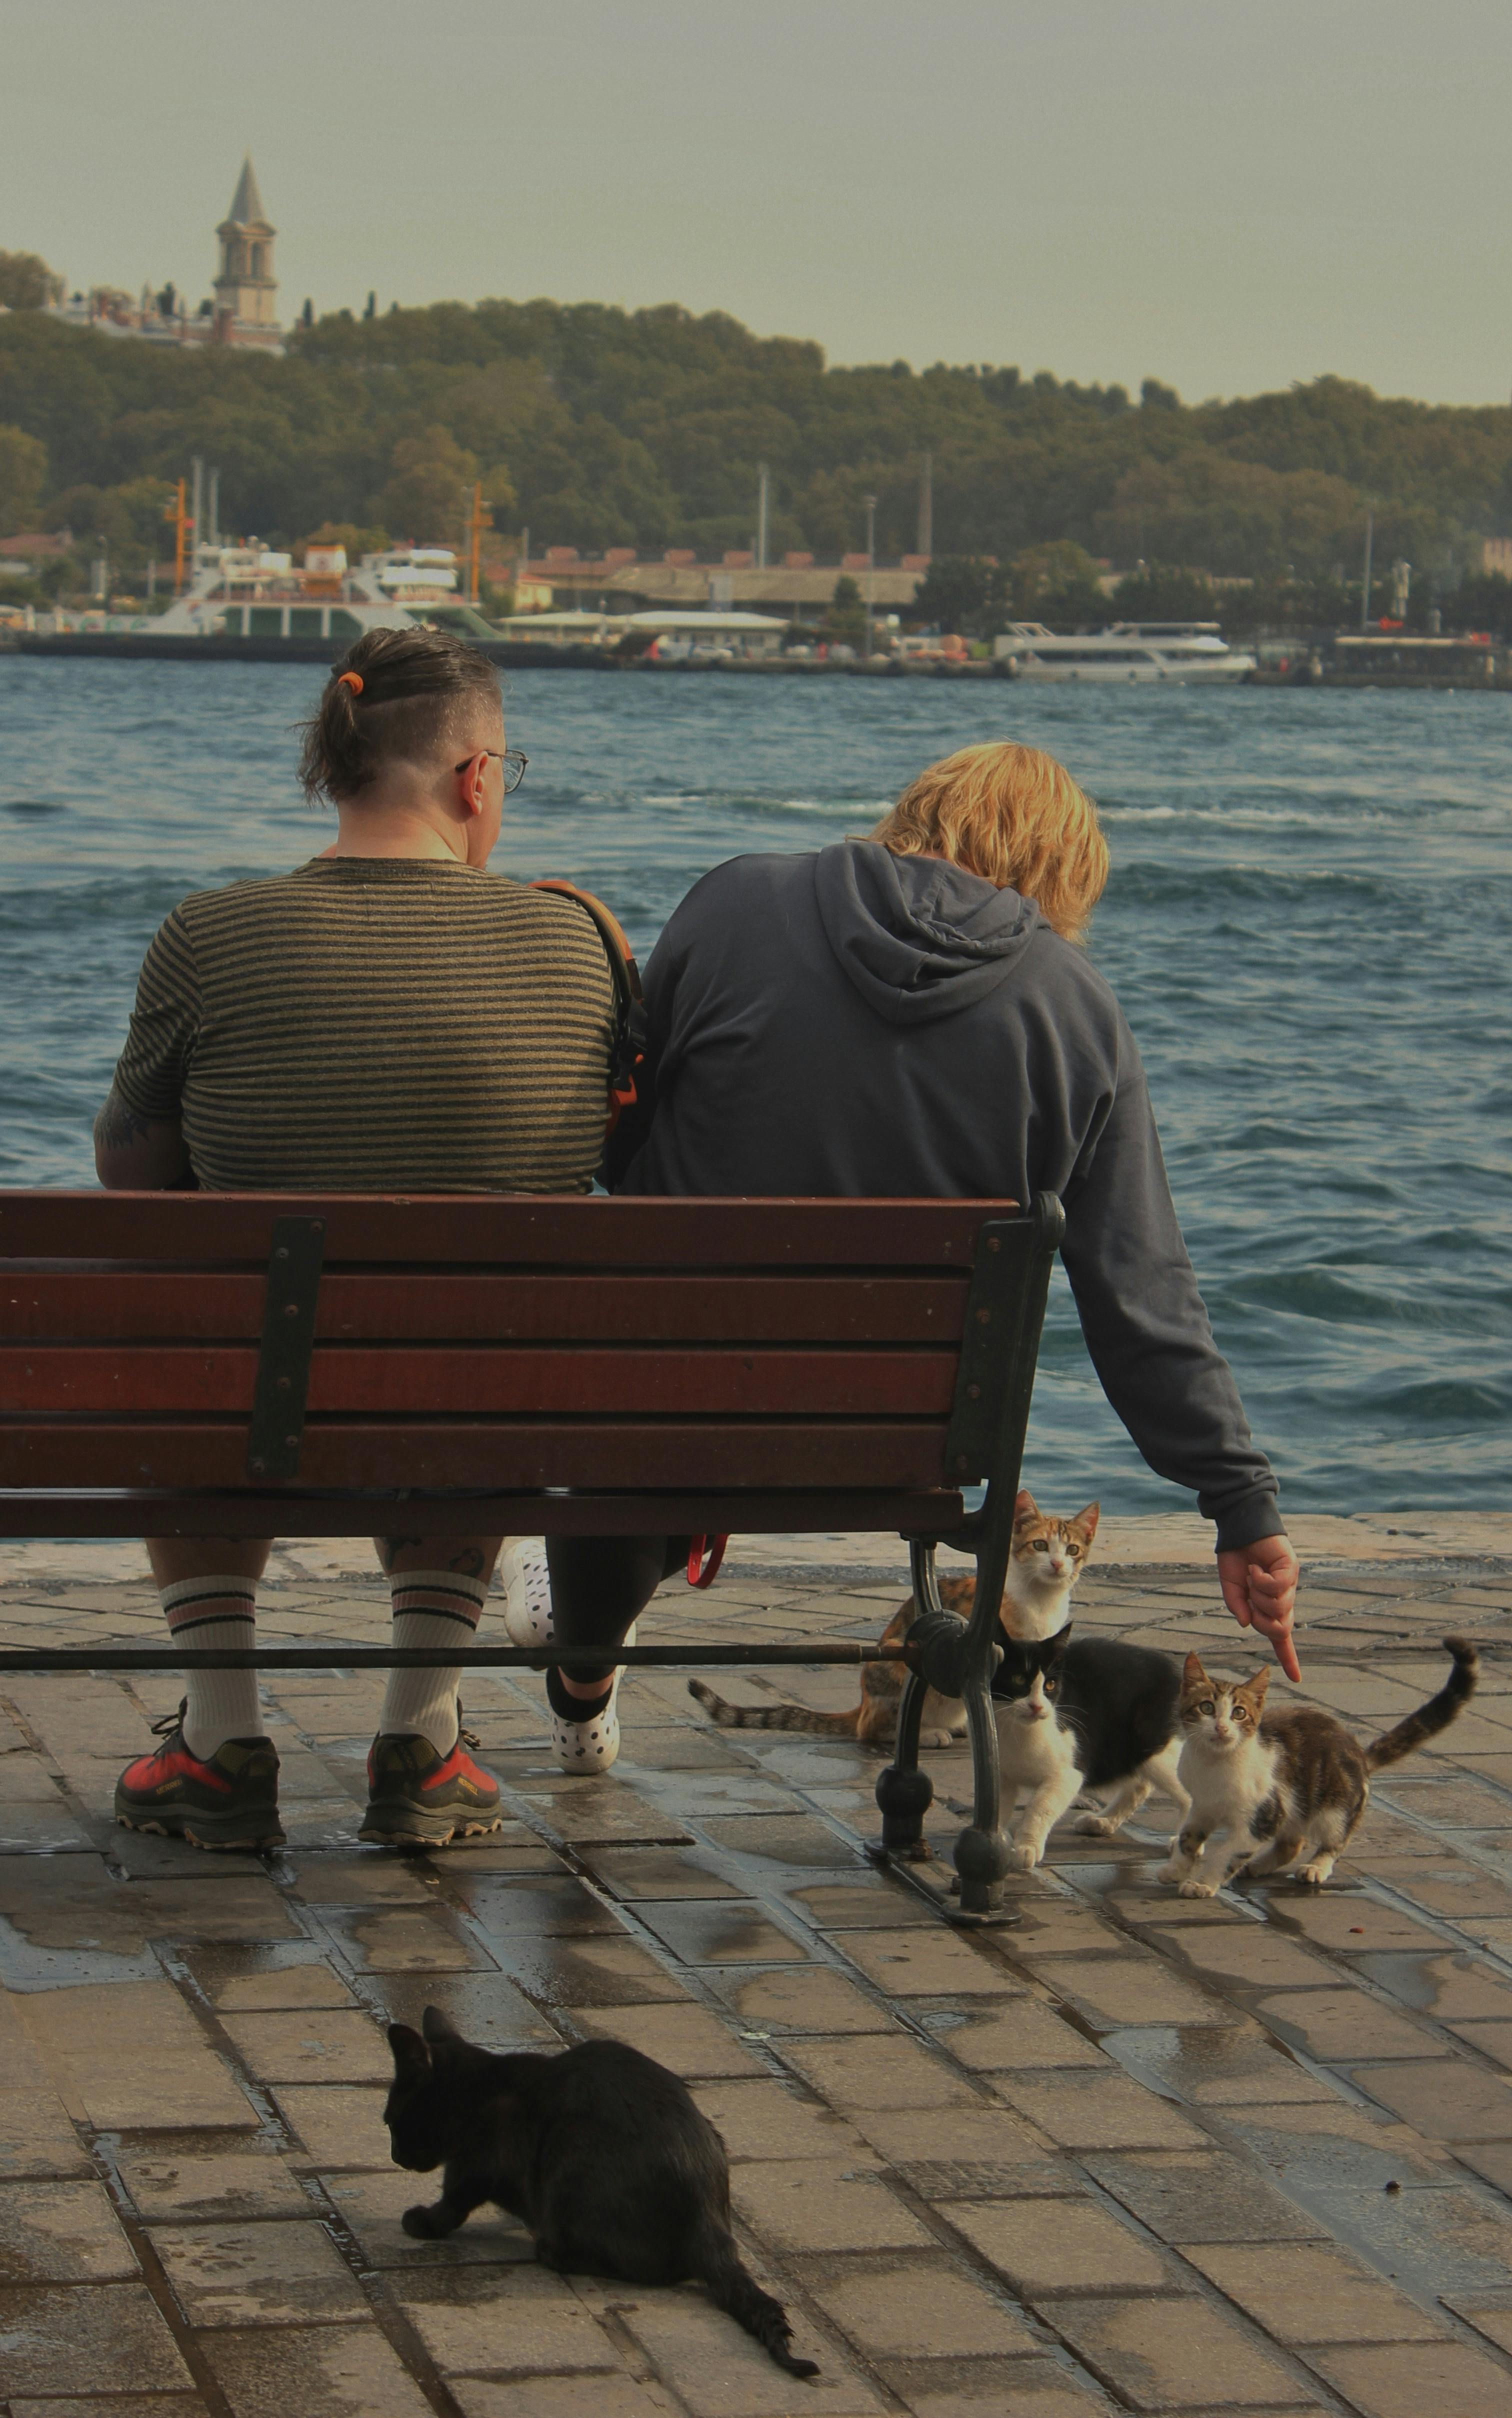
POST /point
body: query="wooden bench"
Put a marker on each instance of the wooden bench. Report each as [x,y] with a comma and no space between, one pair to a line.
[176,1364]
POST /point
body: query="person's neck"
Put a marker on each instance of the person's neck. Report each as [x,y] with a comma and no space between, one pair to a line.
[375,827]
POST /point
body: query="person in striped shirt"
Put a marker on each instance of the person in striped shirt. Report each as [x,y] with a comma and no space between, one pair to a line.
[389,1016]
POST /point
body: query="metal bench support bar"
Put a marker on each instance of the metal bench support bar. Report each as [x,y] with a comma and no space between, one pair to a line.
[338,1656]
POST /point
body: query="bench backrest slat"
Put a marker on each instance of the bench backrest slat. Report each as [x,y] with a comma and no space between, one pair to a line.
[504,1457]
[473,1380]
[483,1230]
[185,1306]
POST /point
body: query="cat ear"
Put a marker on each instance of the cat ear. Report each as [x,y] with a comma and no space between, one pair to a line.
[437,2027]
[1025,1506]
[411,2056]
[1254,1689]
[1193,1674]
[1086,1520]
[1058,1645]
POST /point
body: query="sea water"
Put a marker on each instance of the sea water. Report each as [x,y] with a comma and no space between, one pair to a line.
[1309,925]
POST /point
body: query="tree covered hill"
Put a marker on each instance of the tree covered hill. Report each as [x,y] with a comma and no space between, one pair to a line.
[597,427]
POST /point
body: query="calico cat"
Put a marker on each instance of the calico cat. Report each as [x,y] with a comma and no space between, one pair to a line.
[1044,1566]
[602,2152]
[1094,1713]
[1285,1785]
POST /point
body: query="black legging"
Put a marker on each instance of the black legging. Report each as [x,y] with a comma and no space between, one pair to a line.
[600,1585]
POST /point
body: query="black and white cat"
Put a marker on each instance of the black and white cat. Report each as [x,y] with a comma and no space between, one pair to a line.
[1094,1713]
[602,2152]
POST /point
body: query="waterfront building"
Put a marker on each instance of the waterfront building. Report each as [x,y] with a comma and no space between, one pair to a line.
[244,310]
[797,589]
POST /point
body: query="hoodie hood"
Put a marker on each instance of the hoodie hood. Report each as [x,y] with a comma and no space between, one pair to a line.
[917,936]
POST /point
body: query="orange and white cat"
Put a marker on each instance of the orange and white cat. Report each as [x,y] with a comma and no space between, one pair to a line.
[1048,1557]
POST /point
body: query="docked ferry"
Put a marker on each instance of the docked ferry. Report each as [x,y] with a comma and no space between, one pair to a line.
[1129,650]
[248,592]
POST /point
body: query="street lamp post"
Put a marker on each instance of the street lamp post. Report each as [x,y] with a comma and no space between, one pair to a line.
[871,565]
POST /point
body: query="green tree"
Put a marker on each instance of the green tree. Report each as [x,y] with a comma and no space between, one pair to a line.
[26,283]
[128,517]
[498,494]
[357,539]
[22,478]
[1058,584]
[1159,593]
[964,595]
[845,624]
[427,475]
[1483,601]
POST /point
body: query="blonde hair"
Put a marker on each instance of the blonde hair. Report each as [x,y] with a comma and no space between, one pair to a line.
[1014,816]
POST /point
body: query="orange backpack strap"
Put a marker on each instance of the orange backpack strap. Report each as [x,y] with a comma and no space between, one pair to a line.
[630,1011]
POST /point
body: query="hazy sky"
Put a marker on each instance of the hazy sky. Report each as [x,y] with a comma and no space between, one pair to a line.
[1224,193]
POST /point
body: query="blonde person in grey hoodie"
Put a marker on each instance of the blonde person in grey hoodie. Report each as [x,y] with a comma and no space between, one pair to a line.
[911,1015]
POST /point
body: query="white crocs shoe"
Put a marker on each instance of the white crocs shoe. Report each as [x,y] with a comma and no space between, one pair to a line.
[578,1746]
[589,1747]
[526,1581]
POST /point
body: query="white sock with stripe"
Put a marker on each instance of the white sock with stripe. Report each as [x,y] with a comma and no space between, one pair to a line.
[436,1608]
[220,1612]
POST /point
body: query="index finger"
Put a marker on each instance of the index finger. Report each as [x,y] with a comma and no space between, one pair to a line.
[1277,1634]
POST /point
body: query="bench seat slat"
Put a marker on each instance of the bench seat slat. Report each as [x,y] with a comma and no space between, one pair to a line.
[420,1381]
[185,1306]
[243,1513]
[534,1229]
[505,1455]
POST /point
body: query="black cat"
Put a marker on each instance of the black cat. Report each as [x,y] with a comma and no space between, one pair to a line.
[602,2152]
[1095,1714]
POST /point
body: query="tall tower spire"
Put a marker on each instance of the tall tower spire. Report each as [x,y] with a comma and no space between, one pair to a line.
[246,287]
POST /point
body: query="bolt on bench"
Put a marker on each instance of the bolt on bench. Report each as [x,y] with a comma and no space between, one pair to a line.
[182,1364]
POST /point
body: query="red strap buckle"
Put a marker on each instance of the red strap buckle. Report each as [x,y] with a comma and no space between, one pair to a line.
[702,1573]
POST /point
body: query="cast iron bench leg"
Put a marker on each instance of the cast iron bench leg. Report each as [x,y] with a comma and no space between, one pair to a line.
[982,1854]
[959,1662]
[904,1793]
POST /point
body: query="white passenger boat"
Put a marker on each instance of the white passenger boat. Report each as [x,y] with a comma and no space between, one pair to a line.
[1129,650]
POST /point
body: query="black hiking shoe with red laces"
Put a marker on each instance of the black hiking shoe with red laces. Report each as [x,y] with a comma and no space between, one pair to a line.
[420,1797]
[225,1800]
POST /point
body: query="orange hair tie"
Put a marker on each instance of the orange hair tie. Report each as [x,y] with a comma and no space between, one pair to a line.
[350,680]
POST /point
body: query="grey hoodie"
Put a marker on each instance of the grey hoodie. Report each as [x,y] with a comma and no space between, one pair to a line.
[862,1024]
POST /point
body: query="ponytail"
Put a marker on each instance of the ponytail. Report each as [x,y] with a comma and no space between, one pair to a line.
[395,696]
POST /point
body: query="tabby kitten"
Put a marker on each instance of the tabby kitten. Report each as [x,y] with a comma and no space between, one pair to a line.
[1044,1566]
[602,2152]
[1084,1713]
[1284,1784]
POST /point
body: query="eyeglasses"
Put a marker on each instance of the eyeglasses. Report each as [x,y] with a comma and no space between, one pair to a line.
[511,760]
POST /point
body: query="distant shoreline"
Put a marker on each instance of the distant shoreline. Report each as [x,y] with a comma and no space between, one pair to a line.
[509,653]
[513,655]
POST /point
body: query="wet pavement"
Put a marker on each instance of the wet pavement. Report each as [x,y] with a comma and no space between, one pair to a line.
[1138,2153]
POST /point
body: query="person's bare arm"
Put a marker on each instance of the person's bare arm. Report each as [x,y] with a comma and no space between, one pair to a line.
[1260,1587]
[134,1154]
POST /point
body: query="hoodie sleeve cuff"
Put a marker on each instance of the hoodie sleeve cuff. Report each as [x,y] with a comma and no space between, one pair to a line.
[1247,1521]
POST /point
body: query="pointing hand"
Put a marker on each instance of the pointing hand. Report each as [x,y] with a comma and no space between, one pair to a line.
[1260,1587]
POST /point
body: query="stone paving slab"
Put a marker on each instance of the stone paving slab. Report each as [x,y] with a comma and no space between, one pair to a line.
[1136,2153]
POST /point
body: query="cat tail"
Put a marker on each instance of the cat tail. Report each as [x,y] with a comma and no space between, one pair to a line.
[773,1716]
[1436,1714]
[717,2262]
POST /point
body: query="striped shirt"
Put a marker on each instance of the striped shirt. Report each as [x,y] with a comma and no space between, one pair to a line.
[376,1024]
